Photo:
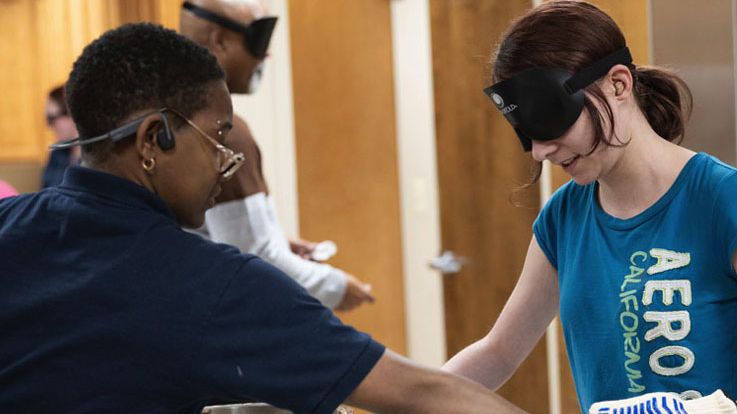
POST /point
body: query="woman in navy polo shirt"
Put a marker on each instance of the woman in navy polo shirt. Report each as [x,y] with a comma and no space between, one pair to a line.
[109,306]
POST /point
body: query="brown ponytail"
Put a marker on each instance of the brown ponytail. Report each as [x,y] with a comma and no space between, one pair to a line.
[665,99]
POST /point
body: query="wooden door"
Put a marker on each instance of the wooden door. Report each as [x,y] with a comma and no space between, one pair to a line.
[348,186]
[480,163]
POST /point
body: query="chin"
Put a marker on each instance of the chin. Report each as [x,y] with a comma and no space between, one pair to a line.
[255,82]
[198,222]
[239,86]
[583,180]
[192,222]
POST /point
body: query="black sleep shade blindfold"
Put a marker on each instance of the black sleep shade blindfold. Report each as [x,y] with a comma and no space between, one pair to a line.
[257,34]
[541,104]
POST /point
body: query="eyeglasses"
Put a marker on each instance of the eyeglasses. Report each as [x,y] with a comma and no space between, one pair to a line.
[228,161]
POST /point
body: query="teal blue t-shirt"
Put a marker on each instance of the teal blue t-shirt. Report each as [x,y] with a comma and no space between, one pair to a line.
[649,303]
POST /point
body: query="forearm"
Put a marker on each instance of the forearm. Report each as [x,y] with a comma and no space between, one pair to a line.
[398,385]
[493,359]
[481,364]
[445,393]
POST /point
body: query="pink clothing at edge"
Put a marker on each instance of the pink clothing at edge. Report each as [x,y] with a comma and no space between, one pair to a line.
[6,190]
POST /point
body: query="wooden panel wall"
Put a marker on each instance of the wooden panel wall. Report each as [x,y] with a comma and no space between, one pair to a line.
[40,41]
[20,109]
[346,149]
[480,163]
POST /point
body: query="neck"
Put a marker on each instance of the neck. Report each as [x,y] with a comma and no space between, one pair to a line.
[119,166]
[642,173]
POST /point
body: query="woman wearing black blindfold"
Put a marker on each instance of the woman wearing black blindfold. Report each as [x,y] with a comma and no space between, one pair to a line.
[637,251]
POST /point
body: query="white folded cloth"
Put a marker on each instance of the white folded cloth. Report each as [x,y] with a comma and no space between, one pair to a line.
[667,403]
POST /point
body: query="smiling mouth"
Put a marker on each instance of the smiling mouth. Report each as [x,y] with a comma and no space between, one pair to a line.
[569,161]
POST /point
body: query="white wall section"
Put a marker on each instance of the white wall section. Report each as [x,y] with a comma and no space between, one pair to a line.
[270,115]
[415,125]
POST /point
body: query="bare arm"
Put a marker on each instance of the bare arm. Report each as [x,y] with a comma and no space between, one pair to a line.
[529,310]
[734,260]
[398,385]
[249,179]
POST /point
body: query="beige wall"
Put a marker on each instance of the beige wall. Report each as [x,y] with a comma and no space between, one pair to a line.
[697,42]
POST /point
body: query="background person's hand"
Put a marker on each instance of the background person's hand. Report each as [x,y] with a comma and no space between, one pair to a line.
[356,293]
[302,248]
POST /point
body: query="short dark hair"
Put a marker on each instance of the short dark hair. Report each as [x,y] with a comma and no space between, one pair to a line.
[57,96]
[135,67]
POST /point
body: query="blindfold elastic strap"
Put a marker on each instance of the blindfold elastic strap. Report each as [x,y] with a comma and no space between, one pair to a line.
[596,70]
[214,17]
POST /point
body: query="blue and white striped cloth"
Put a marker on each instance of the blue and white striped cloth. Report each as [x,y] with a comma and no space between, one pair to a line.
[667,403]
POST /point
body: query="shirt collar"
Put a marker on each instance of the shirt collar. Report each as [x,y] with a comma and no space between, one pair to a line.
[112,187]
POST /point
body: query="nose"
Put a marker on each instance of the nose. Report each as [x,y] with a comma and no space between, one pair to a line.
[541,150]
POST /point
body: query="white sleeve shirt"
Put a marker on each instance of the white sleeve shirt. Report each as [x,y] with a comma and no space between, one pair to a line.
[251,224]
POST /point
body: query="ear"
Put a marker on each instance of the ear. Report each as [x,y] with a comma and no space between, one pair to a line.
[618,83]
[217,42]
[146,144]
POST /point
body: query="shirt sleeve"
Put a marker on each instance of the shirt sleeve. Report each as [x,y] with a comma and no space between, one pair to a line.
[268,340]
[545,230]
[725,219]
[250,224]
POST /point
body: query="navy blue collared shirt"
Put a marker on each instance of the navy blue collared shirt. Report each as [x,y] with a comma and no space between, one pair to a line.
[107,305]
[54,171]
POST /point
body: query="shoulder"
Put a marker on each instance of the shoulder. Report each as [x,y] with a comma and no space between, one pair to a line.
[249,178]
[707,174]
[193,254]
[189,241]
[570,196]
[24,203]
[719,170]
[240,138]
[562,211]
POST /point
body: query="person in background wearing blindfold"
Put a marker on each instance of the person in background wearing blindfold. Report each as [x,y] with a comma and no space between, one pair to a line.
[637,252]
[109,306]
[61,123]
[238,32]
